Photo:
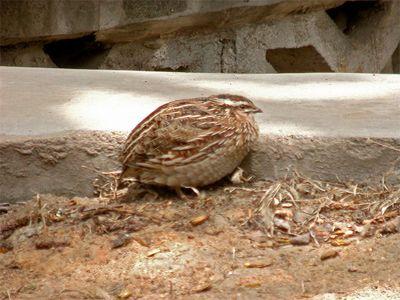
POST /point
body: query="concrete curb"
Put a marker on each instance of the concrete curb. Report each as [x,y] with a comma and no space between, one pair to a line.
[67,164]
[326,126]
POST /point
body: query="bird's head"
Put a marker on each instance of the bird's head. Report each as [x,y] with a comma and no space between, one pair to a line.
[236,102]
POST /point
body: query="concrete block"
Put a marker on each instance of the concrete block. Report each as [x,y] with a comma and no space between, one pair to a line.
[314,43]
[189,54]
[327,126]
[26,56]
[396,60]
[26,20]
[196,36]
[121,23]
[128,20]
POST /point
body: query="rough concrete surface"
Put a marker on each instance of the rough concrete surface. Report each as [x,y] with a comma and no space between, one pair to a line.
[27,56]
[299,43]
[328,126]
[210,36]
[26,20]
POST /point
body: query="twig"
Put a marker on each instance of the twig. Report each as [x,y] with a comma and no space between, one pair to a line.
[41,211]
[105,209]
[383,145]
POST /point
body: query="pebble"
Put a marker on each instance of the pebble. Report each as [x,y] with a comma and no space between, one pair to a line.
[326,296]
[352,269]
[282,224]
[124,294]
[303,239]
[392,226]
[5,247]
[120,241]
[300,217]
[331,253]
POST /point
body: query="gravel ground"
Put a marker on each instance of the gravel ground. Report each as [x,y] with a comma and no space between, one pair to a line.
[289,239]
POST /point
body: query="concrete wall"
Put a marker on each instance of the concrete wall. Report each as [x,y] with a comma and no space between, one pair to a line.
[251,36]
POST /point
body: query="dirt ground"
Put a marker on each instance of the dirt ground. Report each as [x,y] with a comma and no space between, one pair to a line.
[290,239]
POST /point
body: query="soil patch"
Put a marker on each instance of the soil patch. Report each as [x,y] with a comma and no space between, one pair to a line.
[288,239]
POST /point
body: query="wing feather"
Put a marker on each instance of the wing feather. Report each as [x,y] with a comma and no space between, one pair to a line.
[174,134]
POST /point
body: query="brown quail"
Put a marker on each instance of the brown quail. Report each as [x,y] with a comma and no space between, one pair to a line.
[190,142]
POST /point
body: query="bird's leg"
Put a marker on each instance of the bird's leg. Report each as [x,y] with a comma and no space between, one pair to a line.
[194,190]
[238,176]
[153,193]
[182,195]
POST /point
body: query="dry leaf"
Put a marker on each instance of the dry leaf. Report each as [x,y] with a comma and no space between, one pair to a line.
[340,242]
[284,213]
[250,282]
[199,220]
[258,264]
[202,287]
[153,252]
[329,254]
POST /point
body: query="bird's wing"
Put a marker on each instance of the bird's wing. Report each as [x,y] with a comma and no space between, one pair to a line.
[175,135]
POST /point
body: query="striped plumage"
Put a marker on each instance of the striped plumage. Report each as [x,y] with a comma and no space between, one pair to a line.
[190,142]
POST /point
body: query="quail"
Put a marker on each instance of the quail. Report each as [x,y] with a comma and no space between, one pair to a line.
[190,142]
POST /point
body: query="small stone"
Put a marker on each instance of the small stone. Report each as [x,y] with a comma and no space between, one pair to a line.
[348,233]
[91,152]
[4,209]
[124,294]
[48,158]
[352,269]
[202,287]
[392,226]
[300,217]
[282,224]
[331,253]
[213,230]
[120,241]
[61,155]
[368,230]
[257,236]
[5,247]
[300,240]
[30,232]
[326,296]
[50,242]
[24,151]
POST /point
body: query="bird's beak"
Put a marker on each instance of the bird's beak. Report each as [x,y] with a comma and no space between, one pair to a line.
[253,110]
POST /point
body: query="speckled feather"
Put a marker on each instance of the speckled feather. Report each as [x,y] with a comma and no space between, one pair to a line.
[194,133]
